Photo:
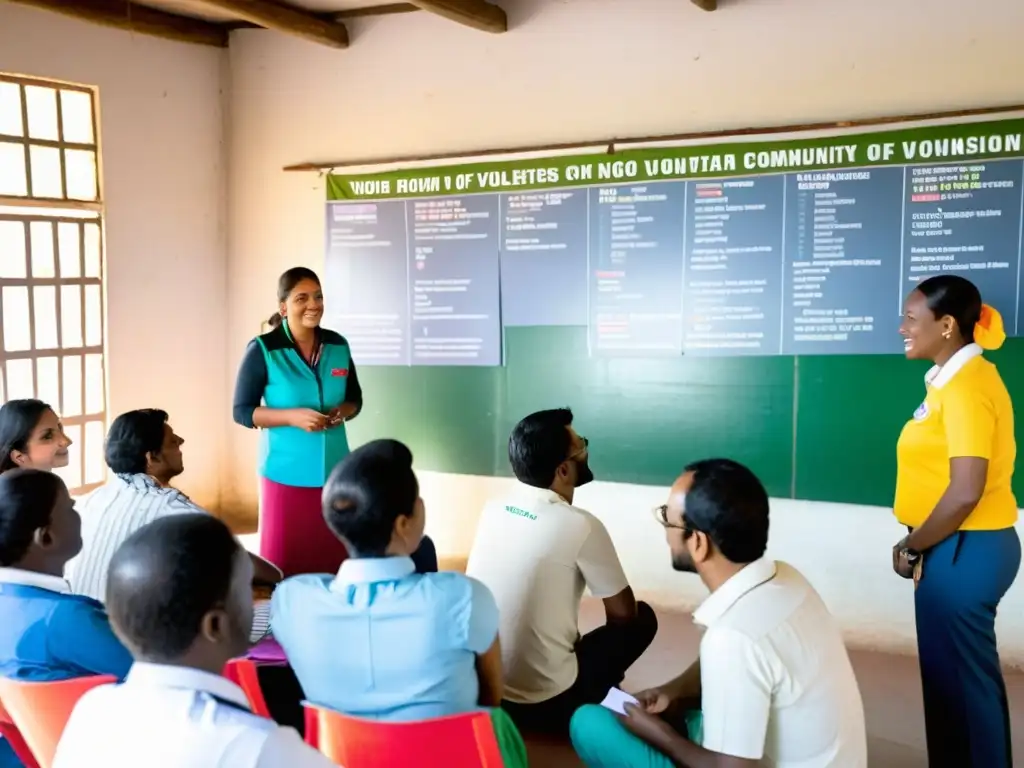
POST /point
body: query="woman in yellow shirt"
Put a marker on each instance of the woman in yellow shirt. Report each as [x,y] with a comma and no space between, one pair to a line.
[955,462]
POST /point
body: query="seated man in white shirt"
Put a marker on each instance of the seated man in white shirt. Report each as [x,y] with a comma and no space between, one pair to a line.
[536,552]
[179,597]
[773,680]
[144,456]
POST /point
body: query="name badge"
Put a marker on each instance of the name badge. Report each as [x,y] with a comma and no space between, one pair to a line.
[922,412]
[339,371]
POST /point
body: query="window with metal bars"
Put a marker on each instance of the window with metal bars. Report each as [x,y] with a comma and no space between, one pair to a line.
[51,262]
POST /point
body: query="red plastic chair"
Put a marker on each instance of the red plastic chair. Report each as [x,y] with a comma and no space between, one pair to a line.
[242,672]
[10,732]
[459,741]
[41,710]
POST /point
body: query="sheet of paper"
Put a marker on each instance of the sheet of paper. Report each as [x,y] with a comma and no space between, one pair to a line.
[617,700]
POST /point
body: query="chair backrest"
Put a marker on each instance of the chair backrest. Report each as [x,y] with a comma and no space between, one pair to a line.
[10,732]
[243,673]
[41,710]
[459,741]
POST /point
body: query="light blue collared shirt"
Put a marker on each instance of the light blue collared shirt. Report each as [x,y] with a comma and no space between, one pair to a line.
[381,641]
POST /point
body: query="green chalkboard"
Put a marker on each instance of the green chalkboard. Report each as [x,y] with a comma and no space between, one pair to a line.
[645,418]
[819,428]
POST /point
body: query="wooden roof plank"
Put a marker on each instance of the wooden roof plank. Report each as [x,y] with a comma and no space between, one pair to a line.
[375,10]
[285,18]
[131,17]
[477,14]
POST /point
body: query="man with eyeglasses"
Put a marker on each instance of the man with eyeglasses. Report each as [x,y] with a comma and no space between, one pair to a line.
[773,683]
[536,552]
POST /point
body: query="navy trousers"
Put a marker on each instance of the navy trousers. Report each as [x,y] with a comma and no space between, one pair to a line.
[967,719]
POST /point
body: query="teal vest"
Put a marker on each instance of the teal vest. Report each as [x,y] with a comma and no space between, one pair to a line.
[289,455]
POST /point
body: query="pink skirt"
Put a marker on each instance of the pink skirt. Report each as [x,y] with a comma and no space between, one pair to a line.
[293,534]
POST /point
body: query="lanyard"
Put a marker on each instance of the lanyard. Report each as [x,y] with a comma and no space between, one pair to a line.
[211,697]
[318,346]
[226,702]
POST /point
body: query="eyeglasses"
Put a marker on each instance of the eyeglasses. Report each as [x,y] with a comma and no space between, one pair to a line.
[661,515]
[581,451]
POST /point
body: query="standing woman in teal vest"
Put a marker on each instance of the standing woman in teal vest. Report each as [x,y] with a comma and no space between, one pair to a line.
[298,384]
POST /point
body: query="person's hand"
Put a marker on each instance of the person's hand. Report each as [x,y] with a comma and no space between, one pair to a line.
[650,727]
[338,416]
[653,700]
[901,561]
[308,420]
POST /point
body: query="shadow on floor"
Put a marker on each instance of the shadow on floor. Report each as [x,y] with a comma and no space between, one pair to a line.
[890,686]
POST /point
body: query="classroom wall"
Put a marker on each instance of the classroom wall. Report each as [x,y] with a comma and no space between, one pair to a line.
[164,182]
[592,69]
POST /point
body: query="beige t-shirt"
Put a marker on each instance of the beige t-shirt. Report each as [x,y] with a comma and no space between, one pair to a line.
[536,553]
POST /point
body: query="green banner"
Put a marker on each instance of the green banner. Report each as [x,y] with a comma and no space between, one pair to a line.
[928,145]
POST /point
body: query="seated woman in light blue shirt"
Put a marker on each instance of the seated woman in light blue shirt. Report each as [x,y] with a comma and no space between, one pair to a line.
[379,640]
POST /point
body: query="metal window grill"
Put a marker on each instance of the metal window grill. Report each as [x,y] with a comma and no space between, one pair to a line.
[52,318]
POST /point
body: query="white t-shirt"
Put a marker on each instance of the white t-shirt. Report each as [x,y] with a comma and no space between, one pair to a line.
[536,553]
[776,681]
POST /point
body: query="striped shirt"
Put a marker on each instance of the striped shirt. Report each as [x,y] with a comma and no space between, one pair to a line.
[111,514]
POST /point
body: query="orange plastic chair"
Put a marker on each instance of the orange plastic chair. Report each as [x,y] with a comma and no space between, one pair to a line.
[242,672]
[41,710]
[459,741]
[10,732]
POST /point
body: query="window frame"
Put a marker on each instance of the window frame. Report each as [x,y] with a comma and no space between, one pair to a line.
[29,209]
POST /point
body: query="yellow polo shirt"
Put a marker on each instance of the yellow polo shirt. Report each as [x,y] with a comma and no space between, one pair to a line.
[966,412]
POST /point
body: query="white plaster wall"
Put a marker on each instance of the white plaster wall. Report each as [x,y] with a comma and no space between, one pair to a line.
[164,182]
[577,70]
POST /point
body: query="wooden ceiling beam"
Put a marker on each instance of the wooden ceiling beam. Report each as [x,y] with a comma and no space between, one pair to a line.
[477,14]
[130,17]
[284,18]
[375,10]
[352,13]
[706,5]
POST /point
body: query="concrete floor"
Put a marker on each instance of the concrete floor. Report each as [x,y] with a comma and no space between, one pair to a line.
[890,686]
